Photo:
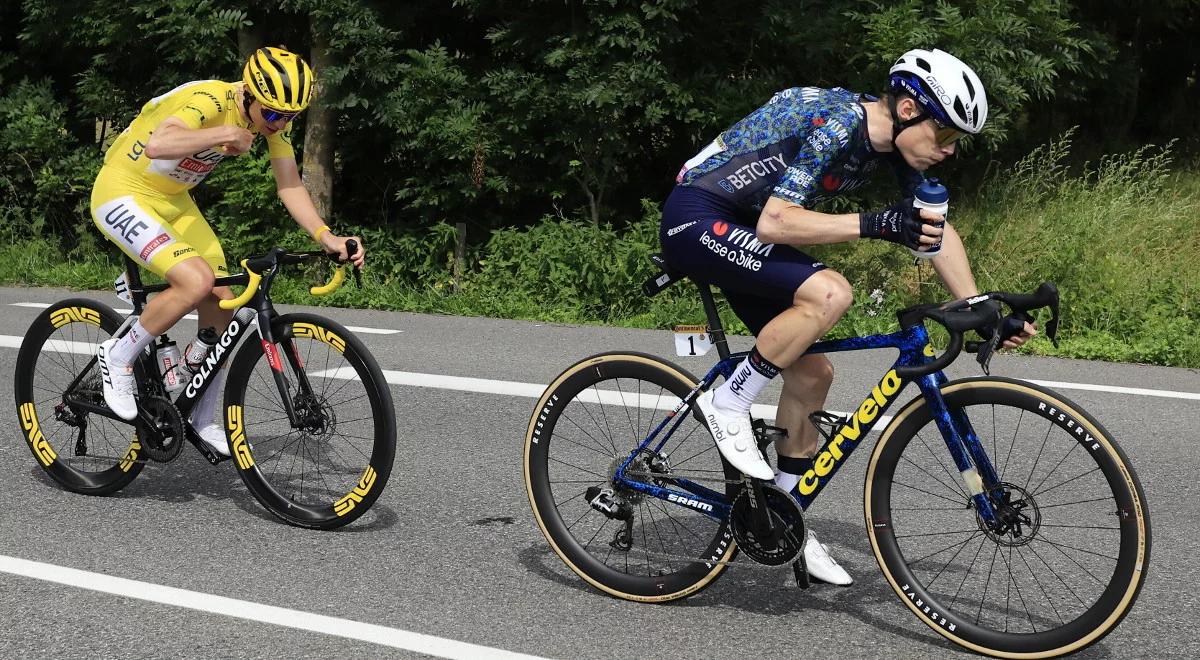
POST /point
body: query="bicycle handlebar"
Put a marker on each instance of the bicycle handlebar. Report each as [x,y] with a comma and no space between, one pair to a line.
[256,266]
[959,316]
[251,287]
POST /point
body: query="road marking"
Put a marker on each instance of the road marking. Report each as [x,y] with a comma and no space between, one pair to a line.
[193,317]
[242,609]
[534,390]
[34,305]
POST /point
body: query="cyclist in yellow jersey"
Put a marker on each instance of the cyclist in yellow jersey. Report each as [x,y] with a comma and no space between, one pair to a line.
[140,201]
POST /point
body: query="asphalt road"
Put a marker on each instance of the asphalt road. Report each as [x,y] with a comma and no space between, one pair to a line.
[450,549]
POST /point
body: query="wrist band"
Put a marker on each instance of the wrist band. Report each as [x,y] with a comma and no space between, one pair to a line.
[317,233]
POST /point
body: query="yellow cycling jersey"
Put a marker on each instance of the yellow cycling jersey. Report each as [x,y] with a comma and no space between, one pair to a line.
[200,104]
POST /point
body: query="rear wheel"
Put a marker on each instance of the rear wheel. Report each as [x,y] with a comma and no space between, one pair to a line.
[1071,557]
[590,419]
[328,468]
[56,372]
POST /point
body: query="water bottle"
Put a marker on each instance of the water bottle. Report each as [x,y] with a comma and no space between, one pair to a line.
[197,351]
[932,195]
[168,363]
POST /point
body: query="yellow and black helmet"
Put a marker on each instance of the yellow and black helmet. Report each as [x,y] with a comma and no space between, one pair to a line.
[279,79]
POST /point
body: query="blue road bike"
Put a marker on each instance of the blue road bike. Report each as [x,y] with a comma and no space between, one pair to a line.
[1002,514]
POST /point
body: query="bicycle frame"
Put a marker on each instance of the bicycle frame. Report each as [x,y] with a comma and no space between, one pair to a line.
[222,350]
[967,451]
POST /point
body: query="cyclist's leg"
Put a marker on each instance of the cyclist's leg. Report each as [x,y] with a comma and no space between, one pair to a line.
[139,224]
[195,230]
[782,338]
[776,289]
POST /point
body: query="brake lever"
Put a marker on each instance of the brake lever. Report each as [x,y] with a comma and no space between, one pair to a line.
[1052,324]
[351,250]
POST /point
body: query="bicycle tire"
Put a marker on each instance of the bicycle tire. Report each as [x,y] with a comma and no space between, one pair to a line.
[359,465]
[101,457]
[691,571]
[1053,619]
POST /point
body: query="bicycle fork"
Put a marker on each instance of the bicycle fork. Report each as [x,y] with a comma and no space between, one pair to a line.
[970,458]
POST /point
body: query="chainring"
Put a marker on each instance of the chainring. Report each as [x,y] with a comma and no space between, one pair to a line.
[159,428]
[783,542]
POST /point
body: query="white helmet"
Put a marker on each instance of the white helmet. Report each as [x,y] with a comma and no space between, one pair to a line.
[944,86]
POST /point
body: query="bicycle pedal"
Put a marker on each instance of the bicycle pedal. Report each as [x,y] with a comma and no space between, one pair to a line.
[766,434]
[800,568]
[826,422]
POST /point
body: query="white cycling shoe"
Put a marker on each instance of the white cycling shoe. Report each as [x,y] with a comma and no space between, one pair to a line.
[119,383]
[821,566]
[734,438]
[214,436]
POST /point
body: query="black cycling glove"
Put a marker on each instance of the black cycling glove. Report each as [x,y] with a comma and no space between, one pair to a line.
[1010,326]
[899,223]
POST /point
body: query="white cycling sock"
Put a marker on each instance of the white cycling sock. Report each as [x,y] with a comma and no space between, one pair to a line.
[126,350]
[749,378]
[204,412]
[786,480]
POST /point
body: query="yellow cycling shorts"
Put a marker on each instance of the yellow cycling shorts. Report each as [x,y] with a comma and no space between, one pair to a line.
[156,230]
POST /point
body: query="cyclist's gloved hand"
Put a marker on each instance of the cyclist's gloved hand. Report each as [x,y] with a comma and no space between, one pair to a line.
[899,223]
[1015,329]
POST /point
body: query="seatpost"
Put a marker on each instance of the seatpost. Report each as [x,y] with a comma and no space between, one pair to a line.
[715,330]
[134,279]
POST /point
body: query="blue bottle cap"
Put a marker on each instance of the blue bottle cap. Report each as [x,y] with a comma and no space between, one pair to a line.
[931,191]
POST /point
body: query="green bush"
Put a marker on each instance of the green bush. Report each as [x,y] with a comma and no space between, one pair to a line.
[45,175]
[1117,236]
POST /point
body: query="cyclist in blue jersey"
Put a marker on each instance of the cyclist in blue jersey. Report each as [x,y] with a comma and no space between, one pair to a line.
[746,202]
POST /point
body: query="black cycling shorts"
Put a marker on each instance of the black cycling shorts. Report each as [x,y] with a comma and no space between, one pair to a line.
[705,238]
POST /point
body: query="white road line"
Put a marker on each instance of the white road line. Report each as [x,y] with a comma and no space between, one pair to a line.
[193,317]
[1137,391]
[372,331]
[241,609]
[534,391]
[35,305]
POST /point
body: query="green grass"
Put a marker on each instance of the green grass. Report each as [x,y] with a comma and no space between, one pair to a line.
[1118,236]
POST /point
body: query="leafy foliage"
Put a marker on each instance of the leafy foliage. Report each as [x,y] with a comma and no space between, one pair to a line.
[545,125]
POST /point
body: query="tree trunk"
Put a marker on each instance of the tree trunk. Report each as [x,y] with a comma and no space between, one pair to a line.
[250,38]
[319,132]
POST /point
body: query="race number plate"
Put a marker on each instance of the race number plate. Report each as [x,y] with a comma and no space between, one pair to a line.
[121,287]
[692,340]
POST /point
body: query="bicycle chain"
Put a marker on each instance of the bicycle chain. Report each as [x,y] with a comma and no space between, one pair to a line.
[670,476]
[682,558]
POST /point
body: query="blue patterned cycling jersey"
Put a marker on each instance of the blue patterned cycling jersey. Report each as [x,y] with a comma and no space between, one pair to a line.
[806,144]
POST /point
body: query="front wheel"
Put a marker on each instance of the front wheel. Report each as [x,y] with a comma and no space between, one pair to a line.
[1071,555]
[325,465]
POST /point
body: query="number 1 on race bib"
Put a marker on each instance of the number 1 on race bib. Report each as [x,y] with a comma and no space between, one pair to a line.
[692,340]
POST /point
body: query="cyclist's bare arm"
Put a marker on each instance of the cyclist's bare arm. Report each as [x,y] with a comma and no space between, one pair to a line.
[174,139]
[955,270]
[783,222]
[299,204]
[953,267]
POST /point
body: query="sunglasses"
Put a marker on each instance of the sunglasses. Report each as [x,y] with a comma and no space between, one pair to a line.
[271,116]
[946,135]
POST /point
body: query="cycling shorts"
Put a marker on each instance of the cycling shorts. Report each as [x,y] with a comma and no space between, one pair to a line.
[707,238]
[154,229]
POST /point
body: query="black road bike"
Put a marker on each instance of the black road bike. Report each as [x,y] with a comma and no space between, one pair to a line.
[307,413]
